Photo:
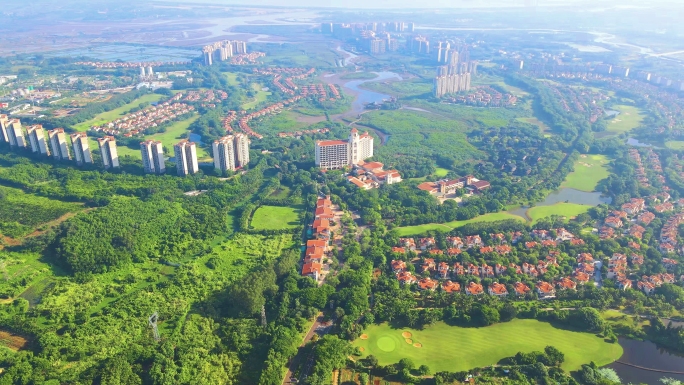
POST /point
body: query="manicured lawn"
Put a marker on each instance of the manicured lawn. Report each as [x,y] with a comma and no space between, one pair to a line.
[446,227]
[231,77]
[169,138]
[275,218]
[441,172]
[542,126]
[452,348]
[589,170]
[116,113]
[567,210]
[675,144]
[629,118]
[260,97]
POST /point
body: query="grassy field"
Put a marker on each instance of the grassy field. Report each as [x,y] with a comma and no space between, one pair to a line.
[173,134]
[542,126]
[116,113]
[401,89]
[446,227]
[22,213]
[260,97]
[359,76]
[675,144]
[451,348]
[276,218]
[441,172]
[589,170]
[629,119]
[231,77]
[568,210]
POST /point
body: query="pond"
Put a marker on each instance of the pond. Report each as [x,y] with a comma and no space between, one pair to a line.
[636,143]
[364,96]
[569,195]
[648,355]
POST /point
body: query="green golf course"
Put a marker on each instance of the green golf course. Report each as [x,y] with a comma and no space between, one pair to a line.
[452,348]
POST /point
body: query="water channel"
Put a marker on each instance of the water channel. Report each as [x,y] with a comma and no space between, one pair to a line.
[648,355]
[364,96]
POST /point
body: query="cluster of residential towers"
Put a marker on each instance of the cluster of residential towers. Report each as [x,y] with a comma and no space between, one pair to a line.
[230,152]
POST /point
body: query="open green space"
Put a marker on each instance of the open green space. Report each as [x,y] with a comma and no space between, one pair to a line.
[675,144]
[116,113]
[567,210]
[446,227]
[285,121]
[259,97]
[589,171]
[172,135]
[276,218]
[453,348]
[232,78]
[21,213]
[542,126]
[420,134]
[441,172]
[629,118]
[402,89]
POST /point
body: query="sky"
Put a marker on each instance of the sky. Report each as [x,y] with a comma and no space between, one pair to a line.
[397,4]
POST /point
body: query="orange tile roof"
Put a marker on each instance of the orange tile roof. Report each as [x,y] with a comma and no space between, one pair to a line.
[316,243]
[474,288]
[427,284]
[451,287]
[521,288]
[497,289]
[544,287]
[310,268]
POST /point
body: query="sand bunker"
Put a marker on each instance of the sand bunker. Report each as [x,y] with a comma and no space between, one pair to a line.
[417,345]
[409,341]
[406,335]
[364,336]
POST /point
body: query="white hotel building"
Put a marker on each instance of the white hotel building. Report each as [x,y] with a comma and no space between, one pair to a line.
[331,154]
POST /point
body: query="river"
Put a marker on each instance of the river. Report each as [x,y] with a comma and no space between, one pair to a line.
[569,195]
[364,96]
[648,355]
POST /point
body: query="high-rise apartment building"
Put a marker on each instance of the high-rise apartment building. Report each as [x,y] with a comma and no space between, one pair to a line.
[58,144]
[15,134]
[456,76]
[185,153]
[79,142]
[376,46]
[4,124]
[110,157]
[332,154]
[153,157]
[224,153]
[37,140]
[241,150]
[222,50]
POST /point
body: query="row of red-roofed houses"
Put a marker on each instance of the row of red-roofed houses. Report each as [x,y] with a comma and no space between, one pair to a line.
[138,123]
[543,289]
[228,120]
[669,232]
[297,134]
[428,244]
[316,248]
[246,58]
[130,64]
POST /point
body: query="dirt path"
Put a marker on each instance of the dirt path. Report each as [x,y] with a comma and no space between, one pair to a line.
[298,358]
[48,226]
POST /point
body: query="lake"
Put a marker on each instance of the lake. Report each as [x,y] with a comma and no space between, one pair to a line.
[566,194]
[648,355]
[364,96]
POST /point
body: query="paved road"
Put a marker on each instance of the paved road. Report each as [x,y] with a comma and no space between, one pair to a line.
[294,363]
